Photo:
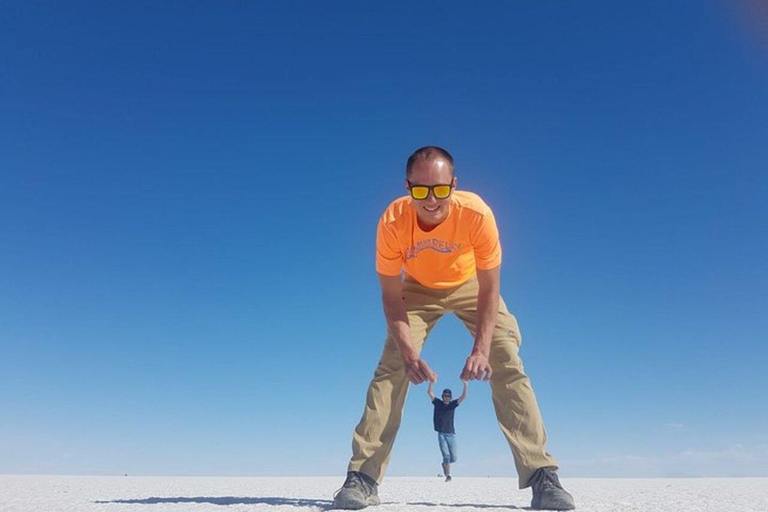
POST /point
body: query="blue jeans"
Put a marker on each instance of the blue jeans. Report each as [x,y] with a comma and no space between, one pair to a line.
[447,447]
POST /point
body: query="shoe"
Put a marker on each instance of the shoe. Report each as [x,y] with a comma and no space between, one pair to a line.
[448,478]
[358,491]
[548,494]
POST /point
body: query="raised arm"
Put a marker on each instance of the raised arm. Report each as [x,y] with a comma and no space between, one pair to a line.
[416,368]
[430,392]
[463,393]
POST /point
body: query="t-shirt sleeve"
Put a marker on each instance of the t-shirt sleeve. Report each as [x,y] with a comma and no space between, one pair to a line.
[389,258]
[454,404]
[435,401]
[486,245]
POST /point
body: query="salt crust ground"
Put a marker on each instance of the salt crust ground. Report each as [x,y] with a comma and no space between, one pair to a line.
[159,494]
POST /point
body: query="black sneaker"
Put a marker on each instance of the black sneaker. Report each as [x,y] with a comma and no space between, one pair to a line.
[448,478]
[548,494]
[358,491]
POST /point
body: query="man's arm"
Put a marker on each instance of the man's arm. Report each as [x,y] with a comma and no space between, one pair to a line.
[477,366]
[464,393]
[416,368]
[429,392]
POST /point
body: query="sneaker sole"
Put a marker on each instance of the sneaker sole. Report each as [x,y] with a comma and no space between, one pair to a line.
[554,505]
[350,503]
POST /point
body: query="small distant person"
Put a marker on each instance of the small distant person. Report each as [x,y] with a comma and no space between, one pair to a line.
[443,422]
[446,244]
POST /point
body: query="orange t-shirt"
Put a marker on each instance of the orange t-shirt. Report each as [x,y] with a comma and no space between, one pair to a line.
[446,256]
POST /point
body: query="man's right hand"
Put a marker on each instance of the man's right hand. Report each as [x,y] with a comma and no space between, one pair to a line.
[418,371]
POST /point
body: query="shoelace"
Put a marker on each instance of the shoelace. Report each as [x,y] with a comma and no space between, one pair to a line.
[355,480]
[544,478]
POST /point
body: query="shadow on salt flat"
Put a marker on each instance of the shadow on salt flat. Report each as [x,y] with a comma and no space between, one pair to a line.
[228,500]
[296,502]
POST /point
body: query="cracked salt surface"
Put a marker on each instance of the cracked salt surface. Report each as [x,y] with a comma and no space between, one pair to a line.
[34,493]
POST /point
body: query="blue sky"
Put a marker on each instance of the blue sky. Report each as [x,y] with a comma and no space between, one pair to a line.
[188,204]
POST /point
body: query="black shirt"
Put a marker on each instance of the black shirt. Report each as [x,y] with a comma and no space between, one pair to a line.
[443,417]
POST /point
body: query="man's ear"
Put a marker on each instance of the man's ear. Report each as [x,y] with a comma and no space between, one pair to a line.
[455,181]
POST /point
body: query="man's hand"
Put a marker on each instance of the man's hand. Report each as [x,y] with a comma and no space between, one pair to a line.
[476,368]
[419,371]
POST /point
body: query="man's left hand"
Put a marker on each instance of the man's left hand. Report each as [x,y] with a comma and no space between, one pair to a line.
[477,367]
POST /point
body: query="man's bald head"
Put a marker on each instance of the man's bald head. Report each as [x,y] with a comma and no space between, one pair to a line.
[430,153]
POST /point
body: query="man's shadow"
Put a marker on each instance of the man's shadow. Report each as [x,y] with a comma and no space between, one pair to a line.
[228,500]
[296,502]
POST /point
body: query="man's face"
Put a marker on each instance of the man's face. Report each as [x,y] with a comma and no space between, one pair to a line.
[446,399]
[431,211]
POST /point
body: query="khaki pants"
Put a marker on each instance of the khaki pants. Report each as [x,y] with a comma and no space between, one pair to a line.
[516,408]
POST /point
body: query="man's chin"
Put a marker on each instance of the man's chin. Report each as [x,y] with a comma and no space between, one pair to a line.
[431,219]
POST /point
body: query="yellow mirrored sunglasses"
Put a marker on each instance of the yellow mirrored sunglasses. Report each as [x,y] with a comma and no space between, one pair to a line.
[421,192]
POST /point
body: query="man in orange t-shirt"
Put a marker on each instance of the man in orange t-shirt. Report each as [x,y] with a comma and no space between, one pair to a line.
[438,251]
